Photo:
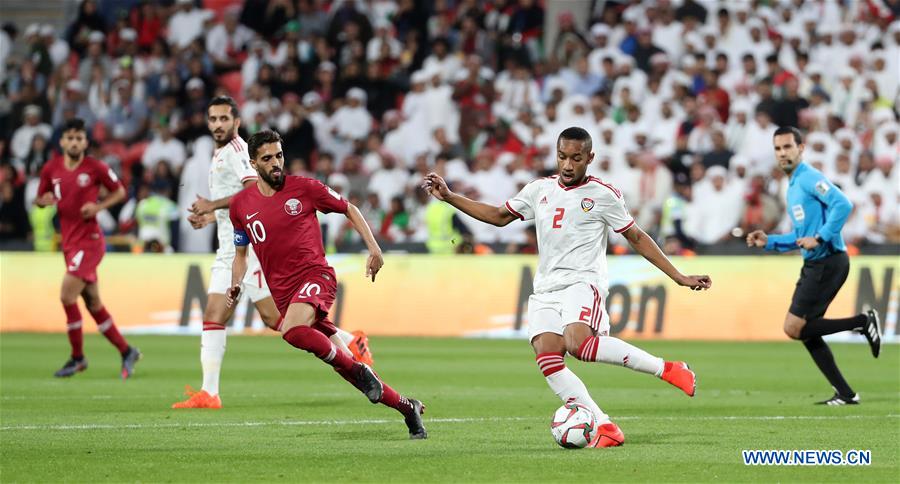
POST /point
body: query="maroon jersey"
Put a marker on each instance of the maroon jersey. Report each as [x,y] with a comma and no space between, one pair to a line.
[284,231]
[72,189]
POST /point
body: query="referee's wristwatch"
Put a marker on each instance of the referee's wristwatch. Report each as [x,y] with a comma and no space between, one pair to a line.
[819,239]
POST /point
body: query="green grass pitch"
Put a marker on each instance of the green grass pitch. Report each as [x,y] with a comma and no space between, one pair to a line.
[288,417]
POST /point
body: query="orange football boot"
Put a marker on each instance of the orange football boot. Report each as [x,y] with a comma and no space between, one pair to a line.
[359,347]
[200,399]
[678,373]
[608,435]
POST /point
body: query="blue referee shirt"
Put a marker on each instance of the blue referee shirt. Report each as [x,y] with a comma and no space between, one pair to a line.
[816,207]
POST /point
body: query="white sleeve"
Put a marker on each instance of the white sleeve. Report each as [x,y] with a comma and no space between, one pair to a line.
[522,205]
[240,164]
[614,213]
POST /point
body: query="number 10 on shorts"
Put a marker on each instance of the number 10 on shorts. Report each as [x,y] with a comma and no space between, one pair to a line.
[309,289]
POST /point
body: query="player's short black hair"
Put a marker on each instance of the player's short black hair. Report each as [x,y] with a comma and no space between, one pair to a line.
[577,134]
[798,136]
[75,123]
[225,100]
[262,138]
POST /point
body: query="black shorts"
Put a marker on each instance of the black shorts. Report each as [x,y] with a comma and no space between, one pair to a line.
[820,280]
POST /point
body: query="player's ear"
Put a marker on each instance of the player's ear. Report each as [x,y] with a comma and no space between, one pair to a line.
[237,124]
[590,158]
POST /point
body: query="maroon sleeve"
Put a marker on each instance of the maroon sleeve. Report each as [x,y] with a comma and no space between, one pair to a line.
[44,185]
[107,176]
[233,213]
[327,200]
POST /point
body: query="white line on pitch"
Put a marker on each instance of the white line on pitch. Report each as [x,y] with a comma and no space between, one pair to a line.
[288,423]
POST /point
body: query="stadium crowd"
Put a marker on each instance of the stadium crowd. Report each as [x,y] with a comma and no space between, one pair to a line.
[681,97]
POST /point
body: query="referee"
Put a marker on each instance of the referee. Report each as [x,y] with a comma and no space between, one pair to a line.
[818,210]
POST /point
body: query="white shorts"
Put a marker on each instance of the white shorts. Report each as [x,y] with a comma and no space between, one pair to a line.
[254,283]
[551,312]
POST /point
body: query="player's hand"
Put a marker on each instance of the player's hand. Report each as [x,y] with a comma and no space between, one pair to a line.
[198,221]
[808,243]
[88,210]
[232,294]
[45,200]
[757,238]
[436,186]
[696,283]
[202,206]
[374,264]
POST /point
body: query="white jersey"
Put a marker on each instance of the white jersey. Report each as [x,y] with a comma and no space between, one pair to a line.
[229,169]
[572,229]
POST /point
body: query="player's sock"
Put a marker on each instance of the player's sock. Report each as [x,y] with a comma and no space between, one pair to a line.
[398,402]
[308,339]
[106,326]
[566,385]
[821,354]
[606,349]
[822,326]
[212,352]
[73,329]
[345,336]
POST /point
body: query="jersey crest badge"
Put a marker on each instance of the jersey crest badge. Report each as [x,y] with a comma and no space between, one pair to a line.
[799,214]
[587,204]
[293,207]
[822,187]
[83,180]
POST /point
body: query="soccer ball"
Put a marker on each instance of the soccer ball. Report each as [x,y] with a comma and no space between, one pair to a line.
[573,426]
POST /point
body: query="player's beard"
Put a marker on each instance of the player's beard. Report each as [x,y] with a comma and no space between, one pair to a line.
[226,135]
[74,154]
[275,182]
[788,168]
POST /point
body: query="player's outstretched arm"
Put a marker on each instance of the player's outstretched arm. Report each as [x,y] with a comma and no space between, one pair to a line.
[644,245]
[200,221]
[375,261]
[437,187]
[777,242]
[203,206]
[89,209]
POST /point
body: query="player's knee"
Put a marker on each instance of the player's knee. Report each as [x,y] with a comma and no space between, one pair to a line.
[573,349]
[793,328]
[548,343]
[292,323]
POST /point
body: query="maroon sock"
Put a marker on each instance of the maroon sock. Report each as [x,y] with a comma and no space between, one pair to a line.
[73,329]
[389,396]
[398,402]
[106,326]
[308,339]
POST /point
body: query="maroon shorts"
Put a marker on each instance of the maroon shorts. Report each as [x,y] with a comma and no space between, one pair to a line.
[82,262]
[317,288]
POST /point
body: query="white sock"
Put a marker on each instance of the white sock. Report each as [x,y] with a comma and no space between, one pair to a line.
[212,351]
[614,351]
[344,336]
[566,385]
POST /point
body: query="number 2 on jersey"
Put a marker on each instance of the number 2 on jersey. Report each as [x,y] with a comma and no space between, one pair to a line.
[557,219]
